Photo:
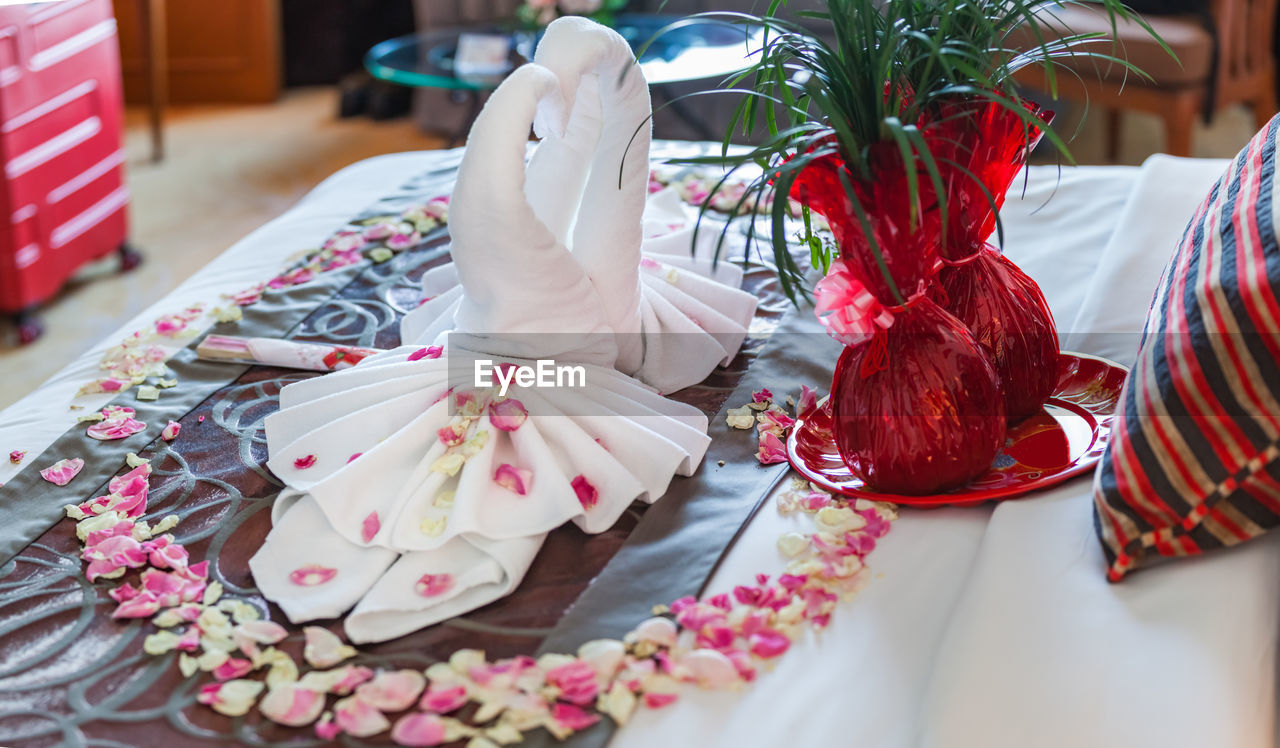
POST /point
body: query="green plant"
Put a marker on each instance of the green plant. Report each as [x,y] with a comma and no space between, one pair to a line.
[889,64]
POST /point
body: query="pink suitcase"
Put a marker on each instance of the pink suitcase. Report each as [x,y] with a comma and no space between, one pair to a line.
[62,194]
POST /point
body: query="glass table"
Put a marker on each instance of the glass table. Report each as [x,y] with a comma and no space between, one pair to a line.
[689,53]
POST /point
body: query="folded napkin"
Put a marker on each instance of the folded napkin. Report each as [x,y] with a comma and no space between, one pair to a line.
[674,316]
[414,496]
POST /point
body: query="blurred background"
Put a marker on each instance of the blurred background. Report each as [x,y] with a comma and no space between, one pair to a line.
[234,109]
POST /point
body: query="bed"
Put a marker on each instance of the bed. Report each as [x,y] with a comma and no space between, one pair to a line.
[987,627]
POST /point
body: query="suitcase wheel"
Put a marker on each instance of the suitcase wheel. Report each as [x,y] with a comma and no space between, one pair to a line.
[130,258]
[29,327]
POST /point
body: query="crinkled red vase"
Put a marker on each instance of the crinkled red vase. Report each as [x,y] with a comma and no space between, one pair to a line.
[917,410]
[1009,317]
[1001,305]
[909,251]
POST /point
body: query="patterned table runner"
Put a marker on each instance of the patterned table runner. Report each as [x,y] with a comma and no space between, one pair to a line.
[72,675]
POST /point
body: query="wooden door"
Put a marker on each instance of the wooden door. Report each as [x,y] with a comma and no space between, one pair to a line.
[222,51]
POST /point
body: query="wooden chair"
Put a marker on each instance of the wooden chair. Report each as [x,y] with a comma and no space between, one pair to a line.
[1179,91]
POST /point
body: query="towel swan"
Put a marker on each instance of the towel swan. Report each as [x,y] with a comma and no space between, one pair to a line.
[674,315]
[413,497]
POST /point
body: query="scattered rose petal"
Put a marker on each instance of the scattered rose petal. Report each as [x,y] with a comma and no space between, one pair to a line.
[358,719]
[233,698]
[763,395]
[116,425]
[572,717]
[233,668]
[324,648]
[302,463]
[508,414]
[370,527]
[288,704]
[658,630]
[61,472]
[586,493]
[768,643]
[17,455]
[380,254]
[771,449]
[171,431]
[576,682]
[740,418]
[419,729]
[312,575]
[513,479]
[431,351]
[711,668]
[353,457]
[443,700]
[431,585]
[393,690]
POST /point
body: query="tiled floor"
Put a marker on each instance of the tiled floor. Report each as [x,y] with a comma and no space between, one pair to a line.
[232,168]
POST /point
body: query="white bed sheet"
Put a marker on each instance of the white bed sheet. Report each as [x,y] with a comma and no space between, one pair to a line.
[966,608]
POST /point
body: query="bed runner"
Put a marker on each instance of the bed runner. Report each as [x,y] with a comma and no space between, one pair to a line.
[72,675]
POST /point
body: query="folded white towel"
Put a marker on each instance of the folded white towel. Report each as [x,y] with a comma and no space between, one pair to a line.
[585,186]
[413,496]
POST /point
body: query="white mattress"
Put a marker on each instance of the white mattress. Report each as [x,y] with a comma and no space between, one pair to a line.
[983,628]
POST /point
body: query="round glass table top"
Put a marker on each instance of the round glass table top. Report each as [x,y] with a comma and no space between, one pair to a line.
[686,53]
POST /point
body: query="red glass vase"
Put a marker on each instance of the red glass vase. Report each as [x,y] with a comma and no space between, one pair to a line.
[980,146]
[917,410]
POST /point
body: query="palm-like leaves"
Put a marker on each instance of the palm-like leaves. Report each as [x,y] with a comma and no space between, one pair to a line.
[888,66]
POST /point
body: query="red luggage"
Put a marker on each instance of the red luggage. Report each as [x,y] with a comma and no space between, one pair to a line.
[62,193]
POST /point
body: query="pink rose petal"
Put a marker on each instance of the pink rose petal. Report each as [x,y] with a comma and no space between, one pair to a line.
[762,396]
[61,472]
[658,700]
[768,643]
[116,426]
[431,351]
[233,668]
[312,575]
[587,494]
[353,457]
[327,729]
[576,681]
[572,717]
[302,463]
[771,449]
[513,479]
[143,605]
[807,403]
[392,691]
[430,585]
[369,528]
[171,431]
[17,455]
[443,700]
[359,719]
[508,415]
[287,704]
[418,729]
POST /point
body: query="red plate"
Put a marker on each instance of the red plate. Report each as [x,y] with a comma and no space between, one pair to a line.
[1066,439]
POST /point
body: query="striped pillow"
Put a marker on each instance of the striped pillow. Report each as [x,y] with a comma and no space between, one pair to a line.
[1193,462]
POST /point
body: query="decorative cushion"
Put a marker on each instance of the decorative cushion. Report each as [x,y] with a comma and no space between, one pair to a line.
[1194,458]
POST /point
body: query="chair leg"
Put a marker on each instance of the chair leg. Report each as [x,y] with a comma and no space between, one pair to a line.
[1113,135]
[1179,119]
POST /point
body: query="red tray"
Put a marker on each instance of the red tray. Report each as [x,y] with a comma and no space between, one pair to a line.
[1066,439]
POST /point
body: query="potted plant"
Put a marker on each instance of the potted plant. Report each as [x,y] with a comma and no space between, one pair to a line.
[904,131]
